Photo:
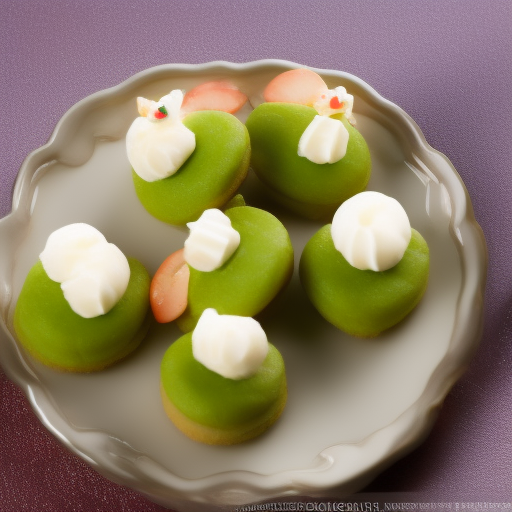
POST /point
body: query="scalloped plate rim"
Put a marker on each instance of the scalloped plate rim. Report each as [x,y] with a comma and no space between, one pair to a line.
[259,487]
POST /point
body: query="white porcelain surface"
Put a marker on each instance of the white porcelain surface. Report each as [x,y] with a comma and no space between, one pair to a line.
[354,405]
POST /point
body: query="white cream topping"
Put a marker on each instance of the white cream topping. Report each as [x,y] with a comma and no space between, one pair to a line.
[232,346]
[157,148]
[324,141]
[336,101]
[371,230]
[212,241]
[93,273]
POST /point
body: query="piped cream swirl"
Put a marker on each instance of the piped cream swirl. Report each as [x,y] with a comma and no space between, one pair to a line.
[158,146]
[232,346]
[93,273]
[371,230]
[325,139]
[212,241]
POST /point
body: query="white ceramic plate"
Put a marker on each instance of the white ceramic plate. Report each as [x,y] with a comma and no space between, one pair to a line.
[354,405]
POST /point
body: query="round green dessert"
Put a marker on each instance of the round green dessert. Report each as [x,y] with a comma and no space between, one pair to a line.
[208,178]
[362,302]
[213,409]
[307,188]
[54,334]
[260,267]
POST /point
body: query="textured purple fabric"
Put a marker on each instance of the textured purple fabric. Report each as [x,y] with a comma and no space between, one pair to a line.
[448,64]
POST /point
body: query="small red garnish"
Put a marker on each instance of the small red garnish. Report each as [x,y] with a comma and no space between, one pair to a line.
[335,103]
[161,112]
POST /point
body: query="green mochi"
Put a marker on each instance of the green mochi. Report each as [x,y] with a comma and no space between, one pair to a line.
[310,189]
[57,336]
[362,302]
[250,279]
[209,177]
[212,400]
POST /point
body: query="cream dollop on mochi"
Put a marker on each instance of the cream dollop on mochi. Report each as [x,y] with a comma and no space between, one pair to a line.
[158,143]
[212,241]
[232,346]
[324,141]
[93,273]
[371,230]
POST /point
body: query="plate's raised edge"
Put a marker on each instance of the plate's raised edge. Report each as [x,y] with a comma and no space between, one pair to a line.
[399,437]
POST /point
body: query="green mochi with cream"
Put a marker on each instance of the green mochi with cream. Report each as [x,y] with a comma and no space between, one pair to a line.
[261,265]
[362,302]
[212,400]
[208,178]
[307,188]
[54,334]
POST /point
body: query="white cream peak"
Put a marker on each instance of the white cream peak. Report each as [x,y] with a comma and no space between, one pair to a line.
[212,241]
[93,273]
[371,230]
[157,148]
[325,105]
[232,346]
[324,141]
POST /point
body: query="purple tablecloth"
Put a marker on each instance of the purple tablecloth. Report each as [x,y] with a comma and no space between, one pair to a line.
[447,63]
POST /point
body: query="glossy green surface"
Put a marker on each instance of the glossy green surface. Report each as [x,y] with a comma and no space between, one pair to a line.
[275,130]
[362,302]
[210,176]
[215,401]
[53,333]
[251,278]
